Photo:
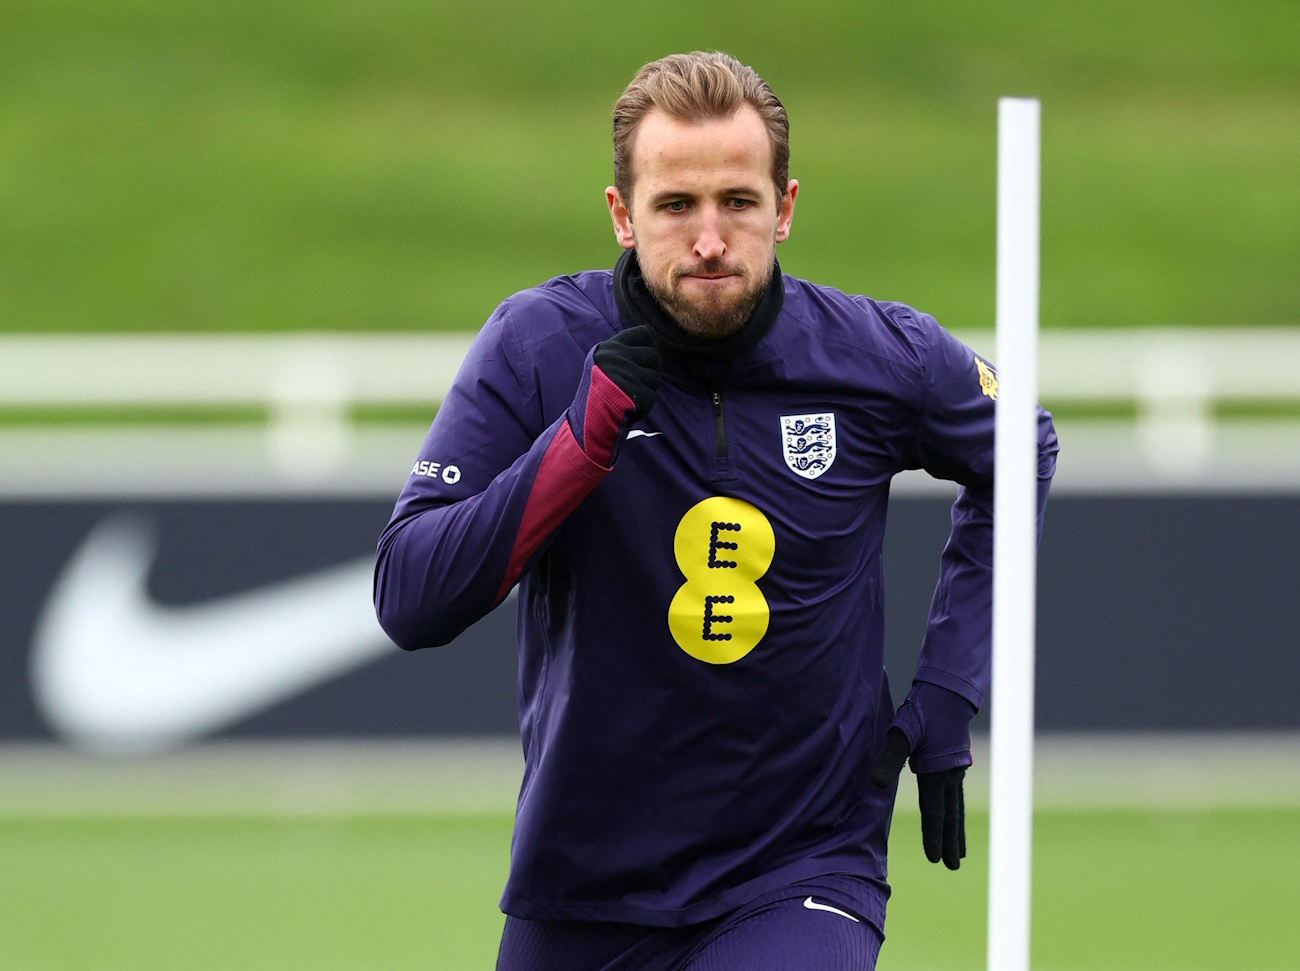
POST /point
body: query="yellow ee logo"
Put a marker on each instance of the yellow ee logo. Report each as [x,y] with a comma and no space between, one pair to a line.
[722,546]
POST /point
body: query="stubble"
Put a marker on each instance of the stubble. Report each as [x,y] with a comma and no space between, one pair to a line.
[710,318]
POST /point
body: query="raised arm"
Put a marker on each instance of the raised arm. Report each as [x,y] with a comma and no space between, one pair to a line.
[489,489]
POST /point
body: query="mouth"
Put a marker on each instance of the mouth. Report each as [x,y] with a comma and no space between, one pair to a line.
[711,272]
[710,278]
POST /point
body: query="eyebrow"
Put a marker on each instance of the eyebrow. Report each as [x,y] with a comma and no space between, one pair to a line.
[671,194]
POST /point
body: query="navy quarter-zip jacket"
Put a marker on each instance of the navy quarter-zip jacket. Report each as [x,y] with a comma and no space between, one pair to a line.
[701,628]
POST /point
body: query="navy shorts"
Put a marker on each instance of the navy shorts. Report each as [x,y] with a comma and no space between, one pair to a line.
[832,923]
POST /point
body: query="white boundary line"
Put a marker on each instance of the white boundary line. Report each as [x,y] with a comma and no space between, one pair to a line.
[1101,771]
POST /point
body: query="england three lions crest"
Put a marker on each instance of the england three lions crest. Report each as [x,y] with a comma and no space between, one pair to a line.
[808,443]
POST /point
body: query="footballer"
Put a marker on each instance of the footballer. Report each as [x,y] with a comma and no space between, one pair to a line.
[683,464]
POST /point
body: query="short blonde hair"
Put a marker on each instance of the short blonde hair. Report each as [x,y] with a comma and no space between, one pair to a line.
[695,87]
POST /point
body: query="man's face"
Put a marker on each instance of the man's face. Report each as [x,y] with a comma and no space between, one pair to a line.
[704,217]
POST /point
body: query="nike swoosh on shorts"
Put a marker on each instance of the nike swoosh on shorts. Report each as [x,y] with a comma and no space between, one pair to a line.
[813,905]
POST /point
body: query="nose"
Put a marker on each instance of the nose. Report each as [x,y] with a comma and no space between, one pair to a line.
[709,244]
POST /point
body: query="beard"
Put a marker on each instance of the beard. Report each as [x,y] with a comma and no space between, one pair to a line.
[712,316]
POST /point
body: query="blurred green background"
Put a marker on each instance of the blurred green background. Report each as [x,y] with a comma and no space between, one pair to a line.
[290,165]
[1195,890]
[286,165]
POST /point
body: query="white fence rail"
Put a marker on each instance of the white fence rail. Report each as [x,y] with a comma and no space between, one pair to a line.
[1151,365]
[219,369]
[1174,378]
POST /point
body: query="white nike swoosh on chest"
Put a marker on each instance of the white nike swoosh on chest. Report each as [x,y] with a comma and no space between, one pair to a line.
[638,433]
[813,905]
[113,670]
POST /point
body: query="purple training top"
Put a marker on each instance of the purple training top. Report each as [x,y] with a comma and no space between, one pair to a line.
[701,628]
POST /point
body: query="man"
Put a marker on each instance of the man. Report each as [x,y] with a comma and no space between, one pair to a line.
[684,465]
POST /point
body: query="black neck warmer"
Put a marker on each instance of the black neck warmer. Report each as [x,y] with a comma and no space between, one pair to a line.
[638,306]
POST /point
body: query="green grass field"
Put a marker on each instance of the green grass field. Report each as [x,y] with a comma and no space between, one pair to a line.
[289,165]
[1158,891]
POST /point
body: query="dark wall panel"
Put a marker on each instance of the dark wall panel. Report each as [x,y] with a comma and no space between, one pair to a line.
[1155,612]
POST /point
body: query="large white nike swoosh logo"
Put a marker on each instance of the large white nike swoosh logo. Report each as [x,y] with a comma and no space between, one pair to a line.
[638,433]
[113,670]
[813,905]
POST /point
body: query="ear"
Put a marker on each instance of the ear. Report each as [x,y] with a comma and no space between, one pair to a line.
[620,217]
[785,211]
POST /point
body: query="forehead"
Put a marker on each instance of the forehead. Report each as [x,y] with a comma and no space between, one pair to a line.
[734,150]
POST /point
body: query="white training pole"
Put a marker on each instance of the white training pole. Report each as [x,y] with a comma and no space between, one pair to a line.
[1015,503]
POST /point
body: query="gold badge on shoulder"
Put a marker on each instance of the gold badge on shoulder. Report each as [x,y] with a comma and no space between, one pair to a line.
[988,380]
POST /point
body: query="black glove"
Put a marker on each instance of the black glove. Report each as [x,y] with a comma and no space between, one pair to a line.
[619,381]
[632,361]
[943,805]
[938,720]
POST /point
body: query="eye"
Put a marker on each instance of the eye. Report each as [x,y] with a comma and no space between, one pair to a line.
[677,205]
[738,203]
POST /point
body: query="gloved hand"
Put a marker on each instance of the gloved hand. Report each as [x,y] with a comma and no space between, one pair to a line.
[619,382]
[932,730]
